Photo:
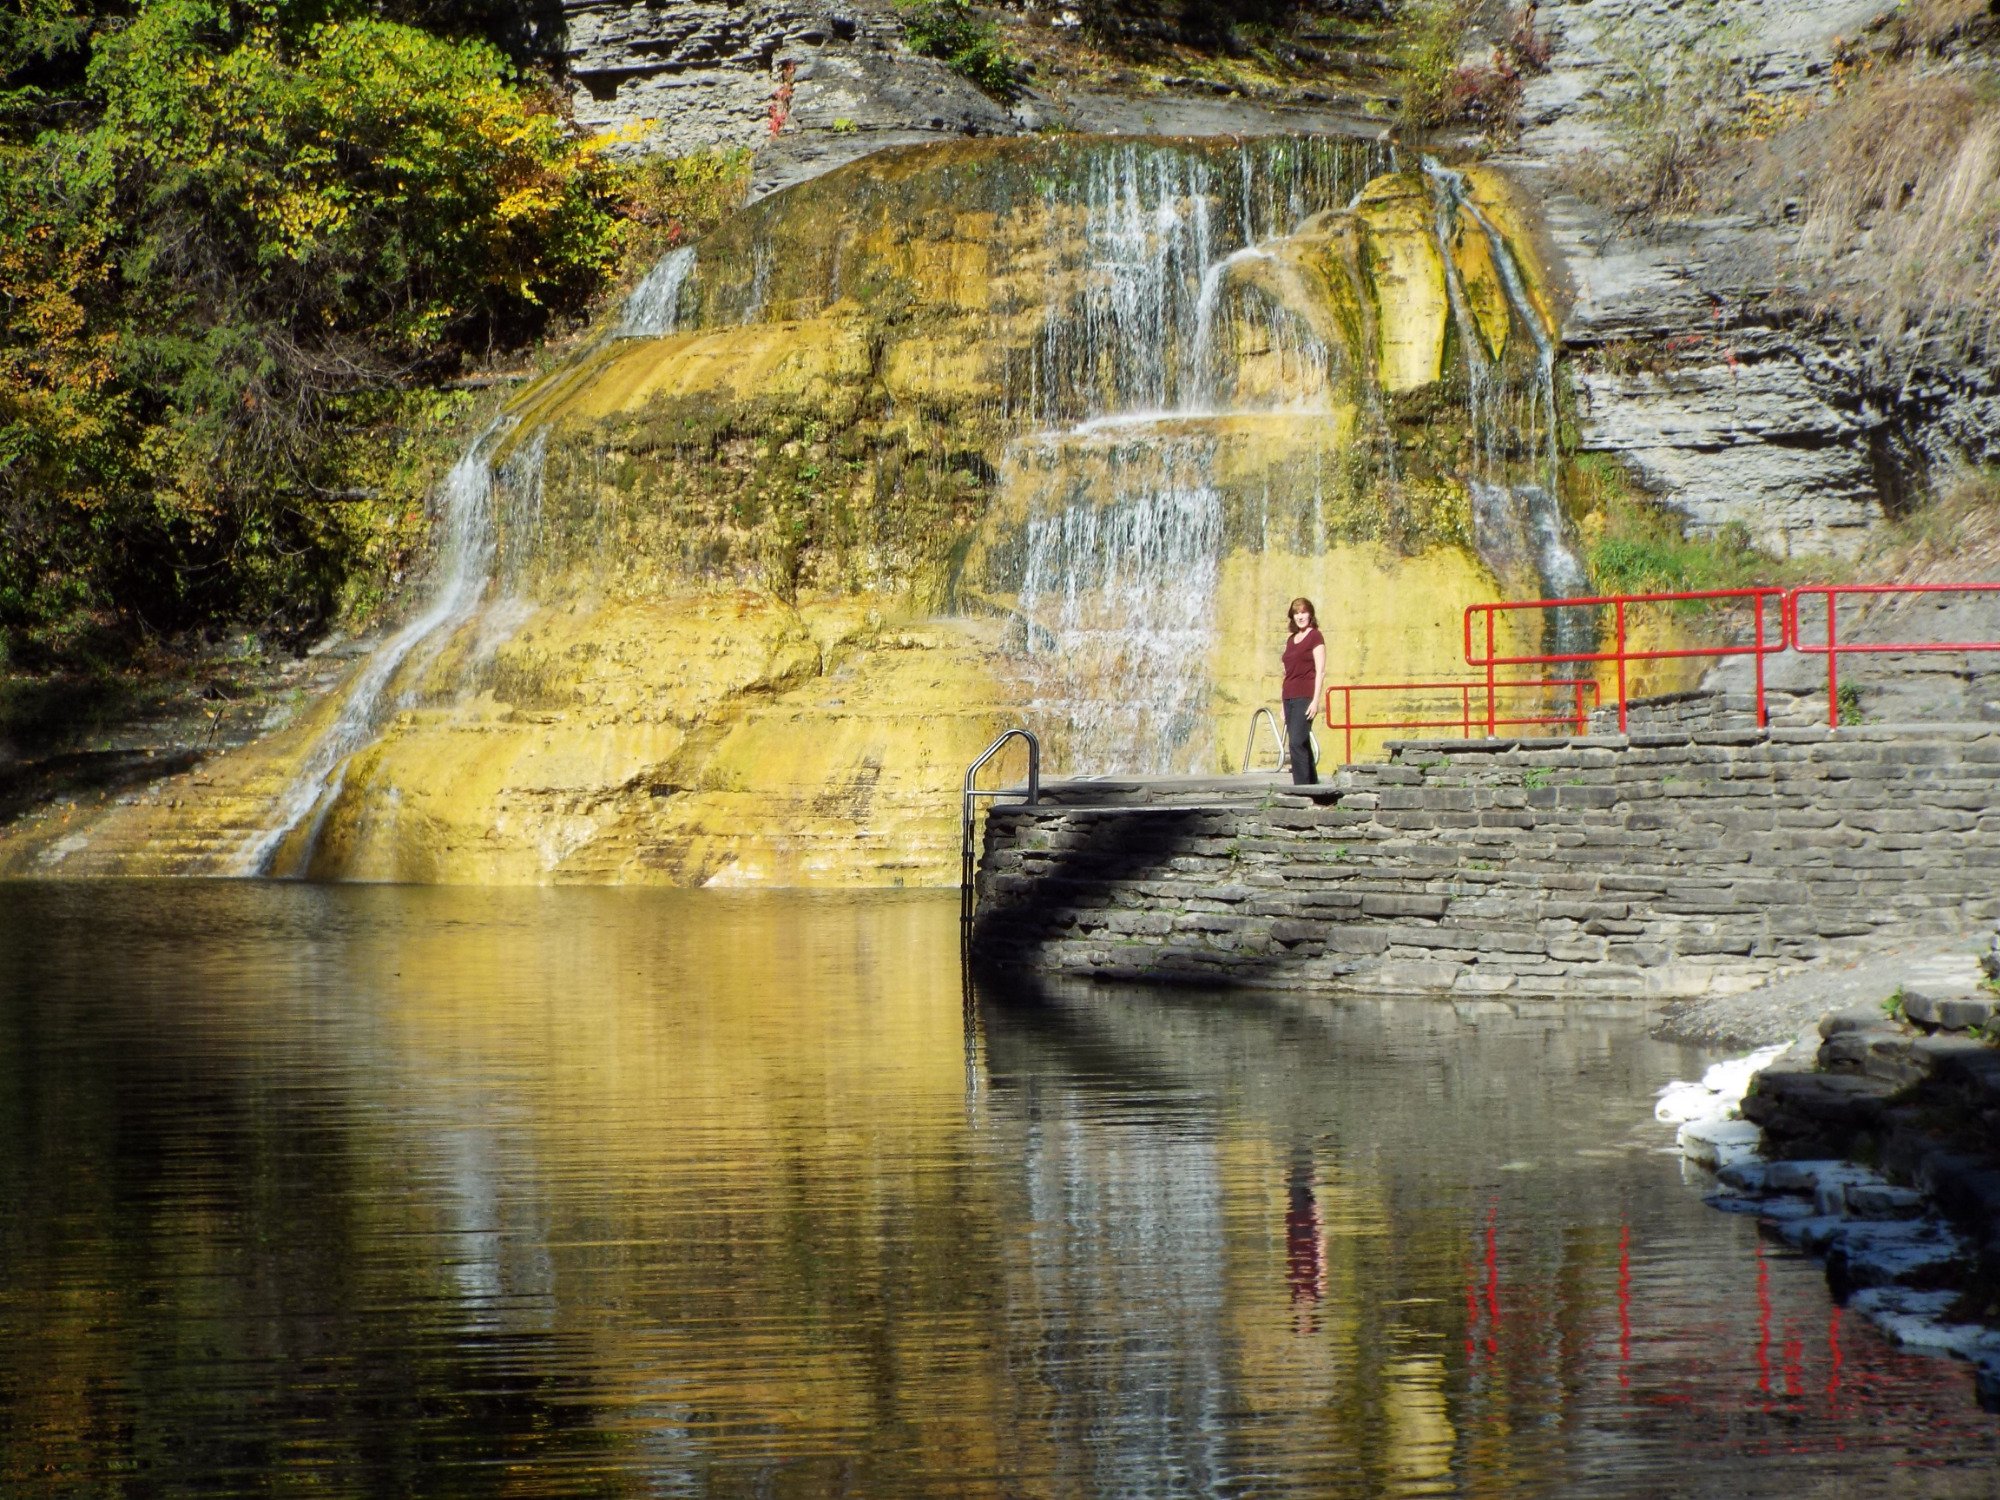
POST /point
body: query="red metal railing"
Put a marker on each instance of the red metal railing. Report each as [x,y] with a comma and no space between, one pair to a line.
[1486,716]
[1762,645]
[1832,648]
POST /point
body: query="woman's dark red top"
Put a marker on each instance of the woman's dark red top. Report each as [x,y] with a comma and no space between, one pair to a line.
[1299,664]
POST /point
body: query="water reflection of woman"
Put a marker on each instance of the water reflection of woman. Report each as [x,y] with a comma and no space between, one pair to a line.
[1305,1243]
[1305,679]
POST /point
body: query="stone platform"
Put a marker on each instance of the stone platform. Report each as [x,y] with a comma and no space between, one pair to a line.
[1667,865]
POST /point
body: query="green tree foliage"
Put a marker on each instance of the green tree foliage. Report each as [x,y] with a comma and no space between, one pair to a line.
[238,243]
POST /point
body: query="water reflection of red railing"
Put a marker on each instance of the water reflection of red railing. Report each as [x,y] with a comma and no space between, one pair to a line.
[1765,1338]
[1832,648]
[1762,644]
[1477,704]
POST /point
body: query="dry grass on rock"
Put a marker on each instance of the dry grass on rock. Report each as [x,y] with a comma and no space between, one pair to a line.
[1903,208]
[1955,536]
[1938,23]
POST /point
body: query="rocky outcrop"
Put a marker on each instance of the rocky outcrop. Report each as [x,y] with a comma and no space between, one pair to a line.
[1700,358]
[696,75]
[811,87]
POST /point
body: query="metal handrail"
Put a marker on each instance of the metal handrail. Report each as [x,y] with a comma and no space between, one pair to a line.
[1250,744]
[1762,647]
[1833,648]
[965,816]
[1284,745]
[1469,716]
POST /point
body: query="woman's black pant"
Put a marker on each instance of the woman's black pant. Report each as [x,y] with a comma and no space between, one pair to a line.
[1298,734]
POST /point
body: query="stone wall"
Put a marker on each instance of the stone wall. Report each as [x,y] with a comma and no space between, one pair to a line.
[1668,865]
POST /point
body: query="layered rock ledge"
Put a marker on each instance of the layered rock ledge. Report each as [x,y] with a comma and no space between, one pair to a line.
[1666,865]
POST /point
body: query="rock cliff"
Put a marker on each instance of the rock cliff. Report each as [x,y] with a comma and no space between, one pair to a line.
[1704,352]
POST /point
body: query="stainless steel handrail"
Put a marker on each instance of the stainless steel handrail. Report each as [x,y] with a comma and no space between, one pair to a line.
[965,819]
[1278,736]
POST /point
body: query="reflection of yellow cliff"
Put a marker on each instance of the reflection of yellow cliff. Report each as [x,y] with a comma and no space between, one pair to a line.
[755,611]
[719,1058]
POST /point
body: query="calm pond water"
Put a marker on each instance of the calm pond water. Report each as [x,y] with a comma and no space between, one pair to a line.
[438,1192]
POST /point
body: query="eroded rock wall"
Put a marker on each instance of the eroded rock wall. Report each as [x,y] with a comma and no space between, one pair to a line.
[995,430]
[1701,357]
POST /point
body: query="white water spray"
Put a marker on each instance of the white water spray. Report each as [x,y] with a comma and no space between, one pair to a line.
[1119,601]
[465,563]
[653,309]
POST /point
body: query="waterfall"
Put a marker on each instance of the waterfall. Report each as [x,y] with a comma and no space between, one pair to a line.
[1117,599]
[1511,409]
[653,309]
[1123,546]
[465,563]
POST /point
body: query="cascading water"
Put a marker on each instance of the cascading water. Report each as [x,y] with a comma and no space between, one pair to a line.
[467,558]
[1116,603]
[1511,407]
[1118,393]
[465,563]
[1125,532]
[653,309]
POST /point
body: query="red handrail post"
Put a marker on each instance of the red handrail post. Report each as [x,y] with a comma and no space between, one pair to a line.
[1490,654]
[1348,715]
[1577,687]
[1620,608]
[1832,669]
[1763,719]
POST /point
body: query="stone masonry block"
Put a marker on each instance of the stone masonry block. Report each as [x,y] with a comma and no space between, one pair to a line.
[1403,905]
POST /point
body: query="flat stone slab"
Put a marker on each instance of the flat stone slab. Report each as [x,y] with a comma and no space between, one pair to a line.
[1833,1098]
[1950,1010]
[1883,1200]
[1717,1143]
[1870,1253]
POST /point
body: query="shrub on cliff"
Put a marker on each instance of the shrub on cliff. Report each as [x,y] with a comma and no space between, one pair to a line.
[963,40]
[236,244]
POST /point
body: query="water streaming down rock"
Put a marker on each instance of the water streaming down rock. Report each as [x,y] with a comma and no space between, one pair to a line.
[1124,541]
[1152,228]
[1117,602]
[653,309]
[1511,410]
[284,846]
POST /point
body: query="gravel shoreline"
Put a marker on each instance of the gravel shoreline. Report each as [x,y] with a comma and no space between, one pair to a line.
[1790,1007]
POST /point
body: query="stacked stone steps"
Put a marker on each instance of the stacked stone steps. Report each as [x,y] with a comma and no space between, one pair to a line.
[1911,1087]
[219,810]
[1666,864]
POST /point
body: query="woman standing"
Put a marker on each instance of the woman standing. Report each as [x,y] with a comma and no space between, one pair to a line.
[1305,680]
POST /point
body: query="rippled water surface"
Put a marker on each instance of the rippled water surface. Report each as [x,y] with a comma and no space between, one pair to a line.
[387,1191]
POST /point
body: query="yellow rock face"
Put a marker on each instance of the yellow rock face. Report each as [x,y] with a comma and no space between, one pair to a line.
[1386,619]
[703,740]
[769,589]
[1411,309]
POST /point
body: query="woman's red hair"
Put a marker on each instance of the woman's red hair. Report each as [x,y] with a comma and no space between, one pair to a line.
[1295,606]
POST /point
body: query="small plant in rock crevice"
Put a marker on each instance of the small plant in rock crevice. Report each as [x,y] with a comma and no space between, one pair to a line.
[1893,1006]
